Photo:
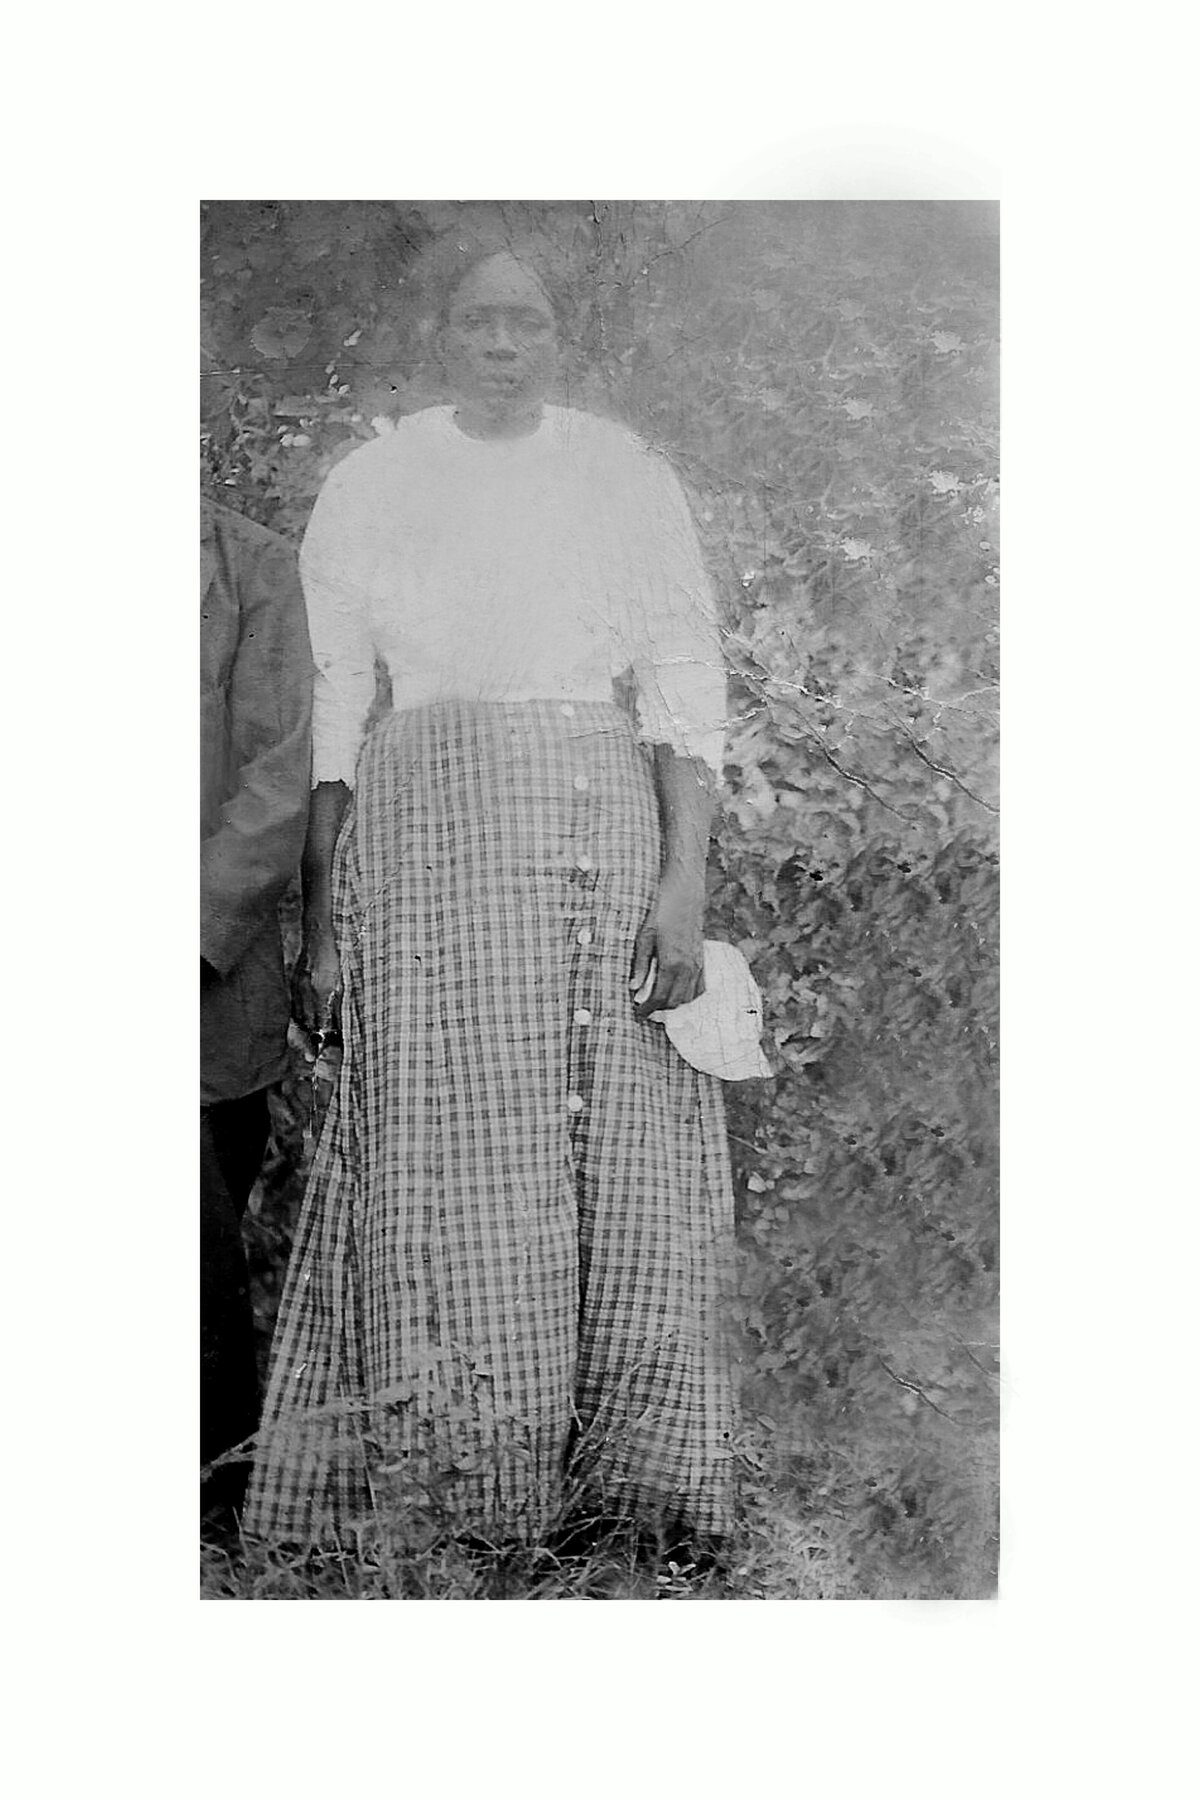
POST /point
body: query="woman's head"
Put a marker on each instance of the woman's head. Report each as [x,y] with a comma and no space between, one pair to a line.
[496,314]
[445,263]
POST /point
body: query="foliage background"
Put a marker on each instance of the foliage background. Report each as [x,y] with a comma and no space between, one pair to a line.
[823,376]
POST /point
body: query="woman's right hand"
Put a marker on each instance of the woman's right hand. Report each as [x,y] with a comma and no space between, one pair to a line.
[317,983]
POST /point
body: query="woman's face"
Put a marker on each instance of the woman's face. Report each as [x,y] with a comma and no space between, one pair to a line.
[499,345]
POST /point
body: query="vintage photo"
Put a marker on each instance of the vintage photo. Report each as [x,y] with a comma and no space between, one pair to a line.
[599,900]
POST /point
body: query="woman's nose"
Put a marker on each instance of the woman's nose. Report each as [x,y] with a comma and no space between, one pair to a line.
[502,341]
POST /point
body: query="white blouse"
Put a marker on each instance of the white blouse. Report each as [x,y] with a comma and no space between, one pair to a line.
[533,568]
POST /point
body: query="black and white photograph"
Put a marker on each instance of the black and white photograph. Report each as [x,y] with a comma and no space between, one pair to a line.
[599,900]
[659,1139]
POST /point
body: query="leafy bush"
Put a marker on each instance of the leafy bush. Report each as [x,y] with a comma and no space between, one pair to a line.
[823,376]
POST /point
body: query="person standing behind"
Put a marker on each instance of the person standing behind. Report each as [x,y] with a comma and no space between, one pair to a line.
[255,700]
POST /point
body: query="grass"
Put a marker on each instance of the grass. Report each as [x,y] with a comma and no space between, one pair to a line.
[811,1544]
[374,1568]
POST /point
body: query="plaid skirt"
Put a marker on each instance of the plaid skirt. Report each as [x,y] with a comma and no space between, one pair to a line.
[503,1300]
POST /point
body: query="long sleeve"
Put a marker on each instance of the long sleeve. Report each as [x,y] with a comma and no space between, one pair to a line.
[674,638]
[254,841]
[334,563]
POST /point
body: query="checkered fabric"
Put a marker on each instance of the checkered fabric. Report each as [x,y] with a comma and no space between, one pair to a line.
[507,1269]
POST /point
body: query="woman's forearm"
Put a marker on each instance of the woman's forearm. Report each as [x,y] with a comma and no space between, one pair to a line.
[685,797]
[326,812]
[670,945]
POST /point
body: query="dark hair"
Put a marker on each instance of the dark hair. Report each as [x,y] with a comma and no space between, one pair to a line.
[443,265]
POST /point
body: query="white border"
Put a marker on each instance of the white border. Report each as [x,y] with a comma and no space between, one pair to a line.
[1057,1686]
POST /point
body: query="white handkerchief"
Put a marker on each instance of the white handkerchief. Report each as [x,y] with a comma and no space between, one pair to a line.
[719,1032]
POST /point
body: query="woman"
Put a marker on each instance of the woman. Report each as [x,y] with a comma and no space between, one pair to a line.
[503,1295]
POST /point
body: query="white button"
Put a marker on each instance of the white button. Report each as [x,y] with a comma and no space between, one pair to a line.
[574,1102]
[582,1017]
[584,862]
[567,710]
[581,784]
[585,936]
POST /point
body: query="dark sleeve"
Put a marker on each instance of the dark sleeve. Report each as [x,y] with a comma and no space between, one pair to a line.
[249,858]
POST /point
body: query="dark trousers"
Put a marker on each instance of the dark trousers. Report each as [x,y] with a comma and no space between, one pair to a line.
[233,1136]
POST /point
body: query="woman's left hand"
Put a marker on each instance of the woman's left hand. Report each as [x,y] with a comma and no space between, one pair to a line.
[671,942]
